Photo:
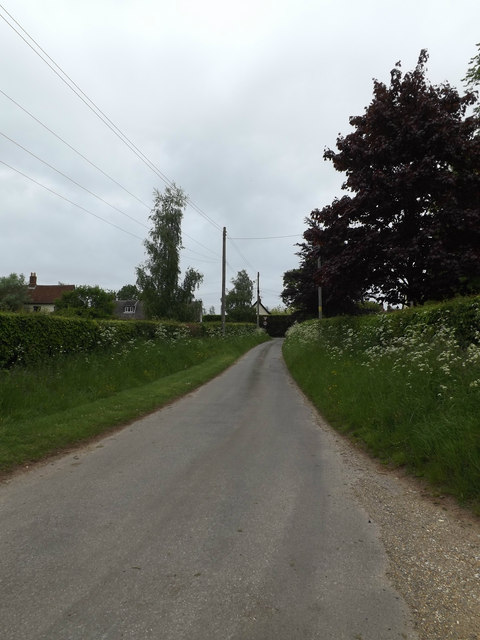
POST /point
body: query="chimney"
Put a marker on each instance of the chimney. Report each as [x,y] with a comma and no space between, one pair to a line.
[33,281]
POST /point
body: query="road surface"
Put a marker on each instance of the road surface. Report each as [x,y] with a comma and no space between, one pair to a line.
[226,515]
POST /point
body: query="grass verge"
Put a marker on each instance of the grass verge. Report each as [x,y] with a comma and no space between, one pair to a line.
[49,409]
[413,400]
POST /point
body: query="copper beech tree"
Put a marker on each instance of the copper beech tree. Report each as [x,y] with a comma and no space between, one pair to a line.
[409,229]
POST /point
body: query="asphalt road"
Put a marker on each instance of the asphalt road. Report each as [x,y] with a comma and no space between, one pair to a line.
[226,515]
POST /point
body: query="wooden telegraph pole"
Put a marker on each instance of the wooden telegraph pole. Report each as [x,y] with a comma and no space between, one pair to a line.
[319,264]
[224,264]
[258,300]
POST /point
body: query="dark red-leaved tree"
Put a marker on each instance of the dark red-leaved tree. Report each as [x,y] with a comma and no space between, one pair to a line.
[300,291]
[410,229]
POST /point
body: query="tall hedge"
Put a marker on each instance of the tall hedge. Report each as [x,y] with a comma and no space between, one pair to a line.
[30,338]
[461,314]
[276,326]
[26,339]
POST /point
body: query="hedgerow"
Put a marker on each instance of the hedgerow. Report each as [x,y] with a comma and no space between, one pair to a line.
[27,339]
[405,383]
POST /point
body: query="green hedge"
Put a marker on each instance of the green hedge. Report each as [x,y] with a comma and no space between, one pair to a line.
[208,317]
[29,338]
[231,328]
[277,326]
[460,314]
[25,339]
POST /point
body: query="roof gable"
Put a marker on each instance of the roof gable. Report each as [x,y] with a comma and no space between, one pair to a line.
[48,293]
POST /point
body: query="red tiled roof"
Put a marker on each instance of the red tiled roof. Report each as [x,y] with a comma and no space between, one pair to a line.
[48,293]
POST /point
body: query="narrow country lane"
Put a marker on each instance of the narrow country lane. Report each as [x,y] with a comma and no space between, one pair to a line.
[226,515]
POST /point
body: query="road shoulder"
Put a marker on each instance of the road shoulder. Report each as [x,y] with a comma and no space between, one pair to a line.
[433,545]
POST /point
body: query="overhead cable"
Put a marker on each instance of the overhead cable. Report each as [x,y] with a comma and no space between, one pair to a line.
[65,78]
[73,149]
[64,175]
[295,235]
[240,253]
[40,184]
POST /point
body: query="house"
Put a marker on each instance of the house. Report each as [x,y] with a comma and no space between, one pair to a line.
[129,310]
[262,311]
[43,296]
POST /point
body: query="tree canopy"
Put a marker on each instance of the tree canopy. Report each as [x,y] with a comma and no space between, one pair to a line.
[409,230]
[189,309]
[300,292]
[158,277]
[472,79]
[13,292]
[87,302]
[239,299]
[128,292]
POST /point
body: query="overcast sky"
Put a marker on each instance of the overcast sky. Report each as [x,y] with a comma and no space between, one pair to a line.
[233,101]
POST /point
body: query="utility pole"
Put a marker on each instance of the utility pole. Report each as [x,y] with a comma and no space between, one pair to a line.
[319,264]
[258,300]
[224,263]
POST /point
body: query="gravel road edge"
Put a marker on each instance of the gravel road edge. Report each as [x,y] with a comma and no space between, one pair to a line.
[433,545]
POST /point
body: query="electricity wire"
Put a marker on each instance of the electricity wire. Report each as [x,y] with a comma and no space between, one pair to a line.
[73,149]
[89,162]
[240,253]
[40,184]
[65,78]
[295,235]
[206,258]
[64,175]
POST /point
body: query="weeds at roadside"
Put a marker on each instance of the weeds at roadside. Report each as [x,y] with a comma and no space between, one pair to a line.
[414,398]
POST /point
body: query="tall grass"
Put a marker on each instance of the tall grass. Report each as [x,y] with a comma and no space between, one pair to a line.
[413,399]
[69,398]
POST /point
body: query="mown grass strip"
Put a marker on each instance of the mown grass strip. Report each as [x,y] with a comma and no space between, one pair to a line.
[30,439]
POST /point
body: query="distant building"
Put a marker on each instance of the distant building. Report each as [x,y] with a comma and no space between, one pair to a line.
[262,311]
[43,296]
[129,310]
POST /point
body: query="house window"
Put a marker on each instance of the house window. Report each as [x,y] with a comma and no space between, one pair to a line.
[128,309]
[36,308]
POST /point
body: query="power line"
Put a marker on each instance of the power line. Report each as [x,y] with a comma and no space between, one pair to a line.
[69,201]
[65,78]
[275,293]
[296,235]
[64,175]
[97,196]
[206,258]
[240,253]
[73,148]
[89,162]
[217,256]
